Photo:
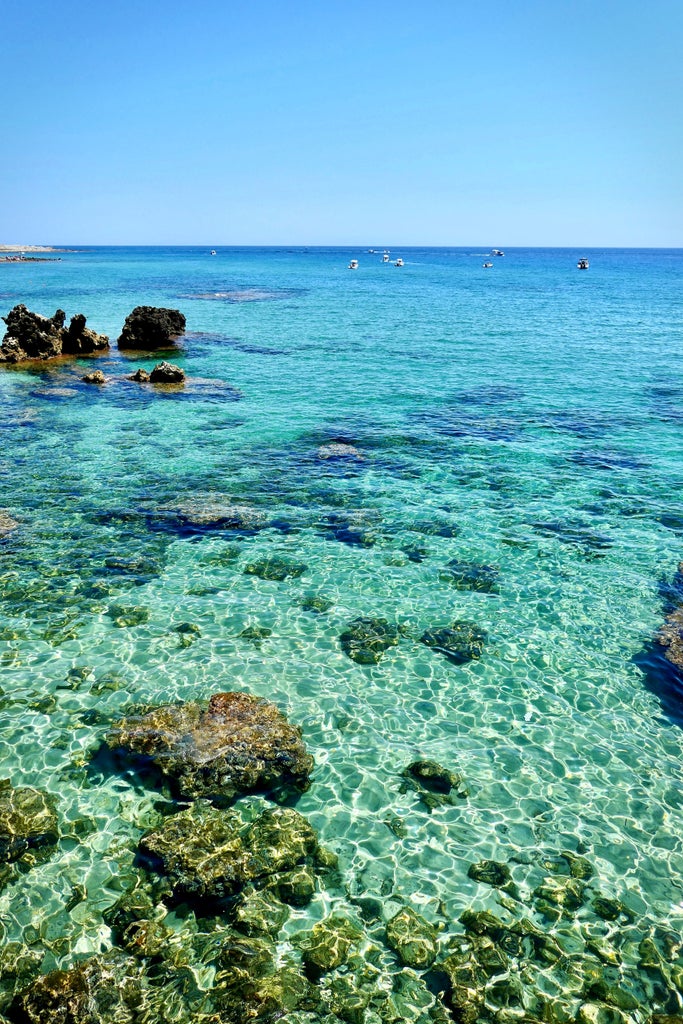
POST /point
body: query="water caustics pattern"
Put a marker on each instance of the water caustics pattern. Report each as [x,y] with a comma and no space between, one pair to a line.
[427,445]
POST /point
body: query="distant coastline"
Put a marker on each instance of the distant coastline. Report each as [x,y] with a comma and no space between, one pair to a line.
[29,248]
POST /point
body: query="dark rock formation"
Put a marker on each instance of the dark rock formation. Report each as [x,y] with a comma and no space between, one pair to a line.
[31,336]
[460,642]
[670,636]
[433,784]
[97,377]
[413,939]
[239,744]
[167,373]
[140,376]
[151,328]
[275,568]
[365,640]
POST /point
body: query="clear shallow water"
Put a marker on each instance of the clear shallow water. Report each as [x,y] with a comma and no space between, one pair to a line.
[536,409]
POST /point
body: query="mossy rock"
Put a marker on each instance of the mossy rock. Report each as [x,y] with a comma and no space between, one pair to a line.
[297,888]
[608,909]
[278,840]
[471,576]
[134,905]
[329,943]
[128,615]
[412,938]
[461,642]
[255,634]
[267,997]
[560,895]
[260,913]
[365,639]
[145,938]
[238,744]
[432,776]
[103,988]
[19,964]
[277,569]
[490,872]
[28,824]
[316,603]
[252,957]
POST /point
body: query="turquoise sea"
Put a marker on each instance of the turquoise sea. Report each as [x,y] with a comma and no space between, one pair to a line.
[527,418]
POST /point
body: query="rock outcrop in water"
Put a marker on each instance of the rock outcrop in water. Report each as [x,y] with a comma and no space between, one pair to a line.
[151,328]
[238,744]
[670,636]
[167,373]
[31,336]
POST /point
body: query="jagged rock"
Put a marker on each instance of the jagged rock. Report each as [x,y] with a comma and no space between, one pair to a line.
[297,888]
[264,996]
[365,640]
[207,852]
[31,336]
[431,776]
[412,938]
[79,340]
[261,913]
[238,744]
[140,376]
[108,987]
[461,642]
[167,373]
[28,823]
[97,377]
[470,576]
[151,327]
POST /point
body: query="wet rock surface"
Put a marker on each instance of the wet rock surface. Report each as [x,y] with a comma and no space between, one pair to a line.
[274,568]
[670,635]
[413,939]
[237,744]
[471,576]
[97,377]
[31,336]
[151,327]
[167,373]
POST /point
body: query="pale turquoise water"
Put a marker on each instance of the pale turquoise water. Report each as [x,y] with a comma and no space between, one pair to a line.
[536,408]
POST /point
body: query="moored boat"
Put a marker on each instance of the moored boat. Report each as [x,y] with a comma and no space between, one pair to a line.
[497,252]
[399,262]
[583,264]
[353,265]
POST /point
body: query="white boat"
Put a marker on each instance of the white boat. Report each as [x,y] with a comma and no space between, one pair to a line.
[385,257]
[487,265]
[399,262]
[583,264]
[213,252]
[497,252]
[353,265]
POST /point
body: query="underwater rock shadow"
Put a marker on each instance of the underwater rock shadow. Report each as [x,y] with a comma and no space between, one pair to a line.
[662,679]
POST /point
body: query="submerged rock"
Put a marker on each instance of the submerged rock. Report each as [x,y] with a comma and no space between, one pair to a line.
[215,511]
[491,872]
[103,988]
[470,576]
[412,938]
[365,640]
[151,327]
[670,636]
[7,524]
[28,823]
[167,373]
[339,450]
[316,603]
[275,568]
[238,744]
[31,336]
[328,944]
[208,852]
[461,642]
[432,776]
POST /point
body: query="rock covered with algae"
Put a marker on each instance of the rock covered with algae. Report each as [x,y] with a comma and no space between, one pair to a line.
[413,939]
[366,639]
[28,824]
[238,744]
[210,852]
[435,784]
[470,576]
[31,336]
[104,988]
[460,642]
[328,944]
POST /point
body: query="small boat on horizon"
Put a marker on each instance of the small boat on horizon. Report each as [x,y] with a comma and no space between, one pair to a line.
[583,264]
[487,265]
[353,265]
[399,262]
[213,252]
[497,252]
[385,257]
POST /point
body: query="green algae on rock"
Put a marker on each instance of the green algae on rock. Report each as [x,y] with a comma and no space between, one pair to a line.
[412,938]
[366,639]
[28,824]
[470,576]
[211,852]
[238,744]
[275,568]
[491,872]
[461,642]
[328,944]
[433,783]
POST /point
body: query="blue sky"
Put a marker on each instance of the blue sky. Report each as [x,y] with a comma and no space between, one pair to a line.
[509,122]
